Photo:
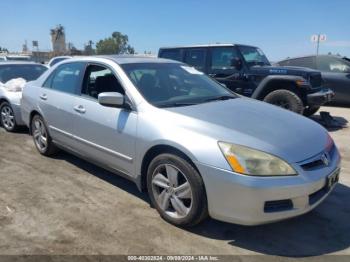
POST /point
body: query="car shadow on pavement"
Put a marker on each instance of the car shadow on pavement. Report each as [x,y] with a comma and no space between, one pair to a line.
[324,230]
[109,177]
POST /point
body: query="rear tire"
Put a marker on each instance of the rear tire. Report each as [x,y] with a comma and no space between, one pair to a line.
[309,111]
[285,99]
[41,137]
[7,117]
[176,190]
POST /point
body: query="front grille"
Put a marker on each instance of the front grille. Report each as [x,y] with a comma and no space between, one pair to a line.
[278,206]
[313,164]
[318,163]
[315,80]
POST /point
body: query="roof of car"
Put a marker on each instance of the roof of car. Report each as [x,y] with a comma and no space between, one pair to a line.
[19,63]
[128,59]
[205,45]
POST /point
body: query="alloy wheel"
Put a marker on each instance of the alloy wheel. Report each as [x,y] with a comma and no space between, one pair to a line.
[40,134]
[8,117]
[172,191]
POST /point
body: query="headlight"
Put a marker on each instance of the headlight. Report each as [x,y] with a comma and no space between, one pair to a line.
[252,162]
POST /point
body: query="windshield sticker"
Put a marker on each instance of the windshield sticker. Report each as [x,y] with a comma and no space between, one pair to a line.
[192,70]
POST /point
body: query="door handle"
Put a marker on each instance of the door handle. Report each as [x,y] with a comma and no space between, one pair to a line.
[80,109]
[43,96]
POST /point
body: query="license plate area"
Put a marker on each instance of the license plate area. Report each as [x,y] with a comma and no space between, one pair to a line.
[332,179]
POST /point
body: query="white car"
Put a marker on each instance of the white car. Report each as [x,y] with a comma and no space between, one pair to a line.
[11,91]
[57,59]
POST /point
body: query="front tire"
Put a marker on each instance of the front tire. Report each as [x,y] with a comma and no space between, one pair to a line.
[176,190]
[41,137]
[7,117]
[285,99]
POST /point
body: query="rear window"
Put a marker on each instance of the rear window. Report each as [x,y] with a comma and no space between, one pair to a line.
[173,54]
[28,72]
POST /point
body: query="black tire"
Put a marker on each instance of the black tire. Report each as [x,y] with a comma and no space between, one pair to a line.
[198,210]
[9,127]
[285,99]
[309,111]
[50,148]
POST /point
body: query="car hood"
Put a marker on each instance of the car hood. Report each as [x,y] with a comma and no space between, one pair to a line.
[257,125]
[284,70]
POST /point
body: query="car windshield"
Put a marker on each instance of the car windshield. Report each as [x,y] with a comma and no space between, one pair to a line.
[253,56]
[172,84]
[28,72]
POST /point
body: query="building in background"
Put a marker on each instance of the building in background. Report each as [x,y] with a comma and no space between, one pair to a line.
[58,40]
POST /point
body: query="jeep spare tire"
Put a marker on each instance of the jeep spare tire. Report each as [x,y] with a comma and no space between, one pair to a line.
[285,99]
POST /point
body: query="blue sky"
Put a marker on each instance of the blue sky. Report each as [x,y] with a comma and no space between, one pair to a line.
[280,28]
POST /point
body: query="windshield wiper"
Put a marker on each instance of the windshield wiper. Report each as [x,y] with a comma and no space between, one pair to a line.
[219,98]
[176,104]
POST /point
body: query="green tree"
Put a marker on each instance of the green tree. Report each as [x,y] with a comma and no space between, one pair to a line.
[3,49]
[117,44]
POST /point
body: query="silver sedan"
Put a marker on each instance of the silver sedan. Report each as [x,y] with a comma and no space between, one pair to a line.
[196,147]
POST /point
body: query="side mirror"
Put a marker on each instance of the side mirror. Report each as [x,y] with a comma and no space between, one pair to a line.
[111,99]
[237,63]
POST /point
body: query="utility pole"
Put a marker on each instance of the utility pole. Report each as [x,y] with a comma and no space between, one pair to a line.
[318,44]
[318,39]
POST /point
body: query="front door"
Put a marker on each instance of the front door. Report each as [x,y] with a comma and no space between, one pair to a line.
[220,68]
[105,134]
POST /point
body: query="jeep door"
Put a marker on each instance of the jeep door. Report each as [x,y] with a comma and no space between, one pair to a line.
[221,68]
[105,134]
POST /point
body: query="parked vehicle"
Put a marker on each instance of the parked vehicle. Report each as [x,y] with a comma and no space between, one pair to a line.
[10,113]
[335,73]
[57,59]
[9,57]
[197,147]
[246,71]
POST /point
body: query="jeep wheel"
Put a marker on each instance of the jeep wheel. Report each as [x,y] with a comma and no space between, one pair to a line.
[285,99]
[309,111]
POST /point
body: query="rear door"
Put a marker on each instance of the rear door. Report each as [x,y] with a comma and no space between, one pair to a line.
[197,57]
[172,53]
[57,97]
[105,134]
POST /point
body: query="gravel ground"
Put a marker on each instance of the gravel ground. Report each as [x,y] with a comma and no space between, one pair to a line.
[64,205]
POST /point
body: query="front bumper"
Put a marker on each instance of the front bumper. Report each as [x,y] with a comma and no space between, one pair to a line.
[245,200]
[321,97]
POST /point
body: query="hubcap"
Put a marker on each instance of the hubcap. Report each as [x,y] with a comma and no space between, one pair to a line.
[40,134]
[7,117]
[172,191]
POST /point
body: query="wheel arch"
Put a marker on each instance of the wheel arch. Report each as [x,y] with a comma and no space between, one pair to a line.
[31,115]
[272,83]
[155,151]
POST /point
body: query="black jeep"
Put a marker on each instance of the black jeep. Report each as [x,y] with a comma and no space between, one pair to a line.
[246,71]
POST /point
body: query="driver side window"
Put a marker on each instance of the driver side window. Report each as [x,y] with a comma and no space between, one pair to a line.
[99,79]
[221,60]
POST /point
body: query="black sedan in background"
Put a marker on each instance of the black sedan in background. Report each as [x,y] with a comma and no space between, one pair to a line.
[335,73]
